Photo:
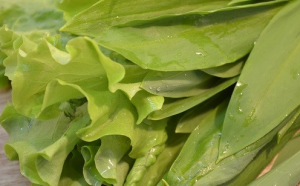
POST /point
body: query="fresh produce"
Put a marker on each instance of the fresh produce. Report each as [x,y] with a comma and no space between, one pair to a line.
[145,93]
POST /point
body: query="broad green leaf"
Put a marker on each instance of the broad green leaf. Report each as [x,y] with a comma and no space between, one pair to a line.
[196,164]
[263,158]
[178,84]
[105,14]
[190,42]
[41,146]
[108,159]
[176,106]
[257,105]
[227,70]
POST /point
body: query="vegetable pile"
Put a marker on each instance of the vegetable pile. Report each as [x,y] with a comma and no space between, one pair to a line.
[142,93]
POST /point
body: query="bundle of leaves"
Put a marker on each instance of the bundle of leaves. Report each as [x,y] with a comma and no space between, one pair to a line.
[136,93]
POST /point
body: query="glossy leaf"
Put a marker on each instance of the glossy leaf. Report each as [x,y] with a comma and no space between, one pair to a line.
[263,158]
[105,14]
[108,159]
[146,103]
[155,172]
[202,167]
[91,175]
[256,99]
[208,40]
[178,84]
[177,106]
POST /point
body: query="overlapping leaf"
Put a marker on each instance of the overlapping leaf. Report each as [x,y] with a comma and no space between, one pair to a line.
[256,99]
[208,40]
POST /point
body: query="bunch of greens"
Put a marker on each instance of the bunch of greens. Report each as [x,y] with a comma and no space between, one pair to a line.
[136,93]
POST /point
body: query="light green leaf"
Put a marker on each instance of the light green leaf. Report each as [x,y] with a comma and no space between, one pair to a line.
[41,146]
[108,159]
[190,42]
[176,106]
[83,70]
[145,103]
[254,107]
[31,15]
[142,163]
[129,76]
[91,174]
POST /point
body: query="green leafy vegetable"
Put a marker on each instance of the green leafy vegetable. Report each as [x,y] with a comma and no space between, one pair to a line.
[140,93]
[254,100]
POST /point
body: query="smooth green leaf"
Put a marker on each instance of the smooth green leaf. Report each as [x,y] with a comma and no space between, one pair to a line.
[190,42]
[263,158]
[227,70]
[257,105]
[105,14]
[178,84]
[197,163]
[196,115]
[176,106]
[291,148]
